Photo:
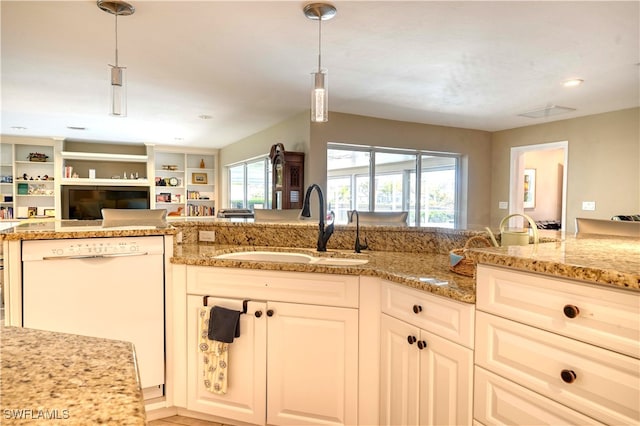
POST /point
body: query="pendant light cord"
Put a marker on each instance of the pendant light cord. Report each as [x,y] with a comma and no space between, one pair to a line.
[116,14]
[319,43]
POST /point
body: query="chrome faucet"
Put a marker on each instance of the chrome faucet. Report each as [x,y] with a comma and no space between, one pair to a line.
[323,234]
[358,246]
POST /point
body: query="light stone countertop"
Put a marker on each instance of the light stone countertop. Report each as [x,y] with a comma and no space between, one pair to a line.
[404,268]
[58,378]
[599,260]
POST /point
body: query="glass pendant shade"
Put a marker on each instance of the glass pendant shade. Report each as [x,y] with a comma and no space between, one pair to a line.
[118,91]
[320,97]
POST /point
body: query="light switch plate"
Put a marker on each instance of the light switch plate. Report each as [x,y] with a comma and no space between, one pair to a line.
[589,205]
[503,205]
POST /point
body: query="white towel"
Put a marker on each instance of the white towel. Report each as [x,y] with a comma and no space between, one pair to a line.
[215,357]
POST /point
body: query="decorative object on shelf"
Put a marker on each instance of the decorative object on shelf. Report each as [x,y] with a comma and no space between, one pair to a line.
[118,80]
[49,212]
[170,167]
[177,212]
[163,197]
[319,93]
[68,171]
[23,189]
[37,157]
[199,178]
[160,181]
[173,181]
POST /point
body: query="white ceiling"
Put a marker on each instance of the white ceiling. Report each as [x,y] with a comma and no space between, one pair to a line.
[247,64]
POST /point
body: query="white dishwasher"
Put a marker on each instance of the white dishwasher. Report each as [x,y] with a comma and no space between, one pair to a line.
[101,287]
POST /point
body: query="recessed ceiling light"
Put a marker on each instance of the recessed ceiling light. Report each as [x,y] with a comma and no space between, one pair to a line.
[18,128]
[573,82]
[76,128]
[205,117]
[178,139]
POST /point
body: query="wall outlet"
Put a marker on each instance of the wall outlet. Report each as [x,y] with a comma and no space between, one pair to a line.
[589,205]
[503,205]
[208,236]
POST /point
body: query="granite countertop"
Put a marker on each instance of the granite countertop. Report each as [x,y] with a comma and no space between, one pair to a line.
[410,269]
[76,380]
[33,229]
[598,260]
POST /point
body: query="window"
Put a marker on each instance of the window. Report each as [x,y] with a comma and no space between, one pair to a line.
[249,184]
[422,183]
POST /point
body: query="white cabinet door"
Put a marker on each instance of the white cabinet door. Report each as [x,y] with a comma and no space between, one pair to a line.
[399,372]
[312,365]
[246,393]
[424,379]
[446,381]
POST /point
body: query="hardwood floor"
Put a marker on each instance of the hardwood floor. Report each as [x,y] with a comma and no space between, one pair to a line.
[182,421]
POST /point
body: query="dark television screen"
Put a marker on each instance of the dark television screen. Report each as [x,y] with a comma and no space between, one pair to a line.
[86,202]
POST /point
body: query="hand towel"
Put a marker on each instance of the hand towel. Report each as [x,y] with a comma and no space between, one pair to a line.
[215,357]
[224,324]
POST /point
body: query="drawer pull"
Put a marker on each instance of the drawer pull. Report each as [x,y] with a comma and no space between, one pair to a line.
[571,311]
[422,344]
[417,309]
[411,339]
[258,314]
[270,313]
[568,376]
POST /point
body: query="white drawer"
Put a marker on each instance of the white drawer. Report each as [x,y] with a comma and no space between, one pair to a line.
[296,287]
[606,384]
[501,402]
[609,318]
[445,317]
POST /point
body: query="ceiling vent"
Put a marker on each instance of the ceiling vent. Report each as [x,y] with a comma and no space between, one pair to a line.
[547,111]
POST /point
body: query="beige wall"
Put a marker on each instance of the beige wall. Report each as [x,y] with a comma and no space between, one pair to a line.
[603,164]
[292,133]
[473,145]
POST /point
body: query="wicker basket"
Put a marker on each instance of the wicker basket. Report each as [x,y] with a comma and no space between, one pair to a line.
[460,263]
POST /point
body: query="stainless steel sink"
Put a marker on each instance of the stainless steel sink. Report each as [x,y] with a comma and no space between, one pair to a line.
[286,257]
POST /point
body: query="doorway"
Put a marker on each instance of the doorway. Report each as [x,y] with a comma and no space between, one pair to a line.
[547,187]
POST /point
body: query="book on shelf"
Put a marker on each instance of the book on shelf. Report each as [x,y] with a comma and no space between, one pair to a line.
[6,213]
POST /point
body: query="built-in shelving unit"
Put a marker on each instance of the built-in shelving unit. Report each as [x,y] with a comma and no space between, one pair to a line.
[33,181]
[6,182]
[181,181]
[86,163]
[185,183]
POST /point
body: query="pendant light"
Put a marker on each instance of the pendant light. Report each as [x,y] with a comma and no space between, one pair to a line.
[319,92]
[118,74]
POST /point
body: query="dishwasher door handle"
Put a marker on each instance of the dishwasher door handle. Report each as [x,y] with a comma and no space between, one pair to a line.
[94,256]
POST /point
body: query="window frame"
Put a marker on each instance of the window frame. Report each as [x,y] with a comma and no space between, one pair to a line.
[406,178]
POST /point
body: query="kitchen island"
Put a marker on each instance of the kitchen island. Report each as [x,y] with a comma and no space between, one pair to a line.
[76,380]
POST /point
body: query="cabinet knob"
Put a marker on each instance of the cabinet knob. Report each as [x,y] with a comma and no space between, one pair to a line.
[422,344]
[411,339]
[568,376]
[417,309]
[270,313]
[571,311]
[258,314]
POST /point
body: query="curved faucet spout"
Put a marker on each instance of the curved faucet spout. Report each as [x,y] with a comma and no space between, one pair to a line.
[323,234]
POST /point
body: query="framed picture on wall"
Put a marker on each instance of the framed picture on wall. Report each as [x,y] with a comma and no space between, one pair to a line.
[529,188]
